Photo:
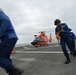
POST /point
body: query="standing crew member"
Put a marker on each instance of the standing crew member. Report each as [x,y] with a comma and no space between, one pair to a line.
[8,39]
[64,33]
[72,35]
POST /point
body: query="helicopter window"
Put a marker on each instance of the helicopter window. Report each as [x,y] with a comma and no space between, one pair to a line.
[37,38]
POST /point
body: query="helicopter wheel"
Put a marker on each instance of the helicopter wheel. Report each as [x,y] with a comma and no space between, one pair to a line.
[36,46]
[47,44]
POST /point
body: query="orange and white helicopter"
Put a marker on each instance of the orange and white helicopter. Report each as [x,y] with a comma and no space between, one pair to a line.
[41,39]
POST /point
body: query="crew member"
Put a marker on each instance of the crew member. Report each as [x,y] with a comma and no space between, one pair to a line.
[64,34]
[8,39]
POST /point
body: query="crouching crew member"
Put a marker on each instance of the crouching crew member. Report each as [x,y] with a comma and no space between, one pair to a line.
[64,34]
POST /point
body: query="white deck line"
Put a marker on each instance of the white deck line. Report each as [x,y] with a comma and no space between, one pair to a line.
[54,52]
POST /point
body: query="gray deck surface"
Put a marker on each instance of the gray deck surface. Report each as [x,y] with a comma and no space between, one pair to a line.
[48,60]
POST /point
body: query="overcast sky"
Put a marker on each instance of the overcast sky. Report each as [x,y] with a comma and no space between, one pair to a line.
[29,16]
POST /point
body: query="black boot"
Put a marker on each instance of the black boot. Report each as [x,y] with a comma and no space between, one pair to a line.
[71,53]
[67,61]
[74,54]
[15,71]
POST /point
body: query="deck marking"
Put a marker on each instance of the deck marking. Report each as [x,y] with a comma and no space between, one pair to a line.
[54,52]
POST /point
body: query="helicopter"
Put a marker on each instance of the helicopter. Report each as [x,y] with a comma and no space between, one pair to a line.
[41,39]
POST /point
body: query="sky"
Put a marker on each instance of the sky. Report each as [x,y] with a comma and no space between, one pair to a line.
[32,16]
